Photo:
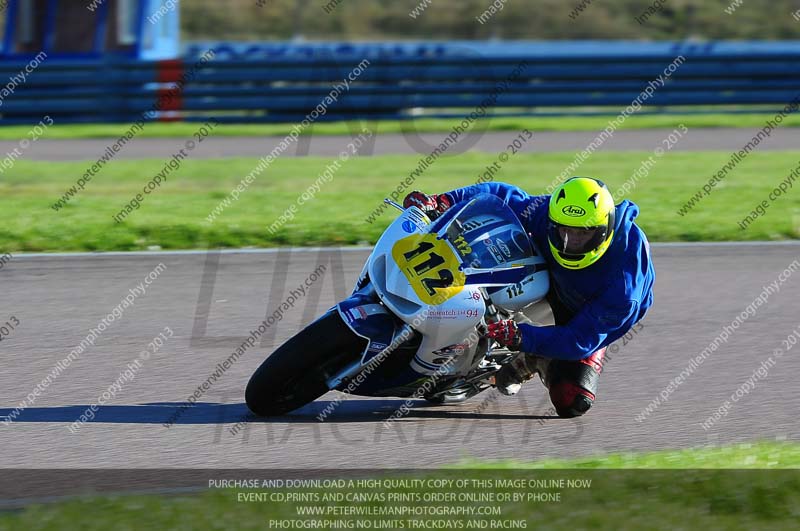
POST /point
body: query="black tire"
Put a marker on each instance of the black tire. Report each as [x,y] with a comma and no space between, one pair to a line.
[295,374]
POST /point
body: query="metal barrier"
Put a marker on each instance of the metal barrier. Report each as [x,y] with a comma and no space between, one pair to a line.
[443,78]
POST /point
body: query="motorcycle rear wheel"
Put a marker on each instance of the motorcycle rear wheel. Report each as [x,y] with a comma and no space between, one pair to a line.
[296,373]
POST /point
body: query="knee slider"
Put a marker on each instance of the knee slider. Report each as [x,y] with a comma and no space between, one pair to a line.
[573,384]
[570,400]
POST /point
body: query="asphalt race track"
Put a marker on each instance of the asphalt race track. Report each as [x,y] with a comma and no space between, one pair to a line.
[212,301]
[697,139]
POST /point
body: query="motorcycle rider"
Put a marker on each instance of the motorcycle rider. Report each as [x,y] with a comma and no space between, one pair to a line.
[601,278]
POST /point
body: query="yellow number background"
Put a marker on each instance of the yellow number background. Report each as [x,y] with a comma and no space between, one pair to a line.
[441,248]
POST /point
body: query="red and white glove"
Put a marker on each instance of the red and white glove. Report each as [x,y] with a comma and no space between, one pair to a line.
[433,205]
[507,333]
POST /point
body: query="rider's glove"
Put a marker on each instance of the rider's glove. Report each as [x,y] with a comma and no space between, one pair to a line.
[506,333]
[432,205]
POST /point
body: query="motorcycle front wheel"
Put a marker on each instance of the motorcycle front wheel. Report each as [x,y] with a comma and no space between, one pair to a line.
[296,373]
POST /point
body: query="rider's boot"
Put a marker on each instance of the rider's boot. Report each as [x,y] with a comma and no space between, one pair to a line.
[572,385]
[512,375]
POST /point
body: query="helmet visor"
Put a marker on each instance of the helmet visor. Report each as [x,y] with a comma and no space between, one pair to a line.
[573,242]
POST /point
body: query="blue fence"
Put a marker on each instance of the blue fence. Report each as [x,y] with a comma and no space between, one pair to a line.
[281,82]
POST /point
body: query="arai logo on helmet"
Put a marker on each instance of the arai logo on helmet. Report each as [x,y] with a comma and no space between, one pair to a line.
[574,211]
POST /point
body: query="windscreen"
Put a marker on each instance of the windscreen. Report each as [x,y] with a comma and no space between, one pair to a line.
[488,235]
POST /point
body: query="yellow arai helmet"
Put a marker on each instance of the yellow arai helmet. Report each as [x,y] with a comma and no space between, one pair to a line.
[581,225]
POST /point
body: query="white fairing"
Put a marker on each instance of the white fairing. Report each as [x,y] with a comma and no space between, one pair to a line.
[441,325]
[449,328]
[530,290]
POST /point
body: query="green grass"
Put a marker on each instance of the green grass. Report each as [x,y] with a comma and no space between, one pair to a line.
[174,216]
[544,123]
[615,499]
[742,456]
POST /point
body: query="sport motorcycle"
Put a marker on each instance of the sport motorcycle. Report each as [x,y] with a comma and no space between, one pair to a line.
[414,325]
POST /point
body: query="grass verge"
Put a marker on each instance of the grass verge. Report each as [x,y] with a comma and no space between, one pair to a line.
[742,456]
[569,497]
[174,216]
[422,125]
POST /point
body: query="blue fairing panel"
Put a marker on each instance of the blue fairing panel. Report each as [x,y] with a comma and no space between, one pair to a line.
[370,320]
